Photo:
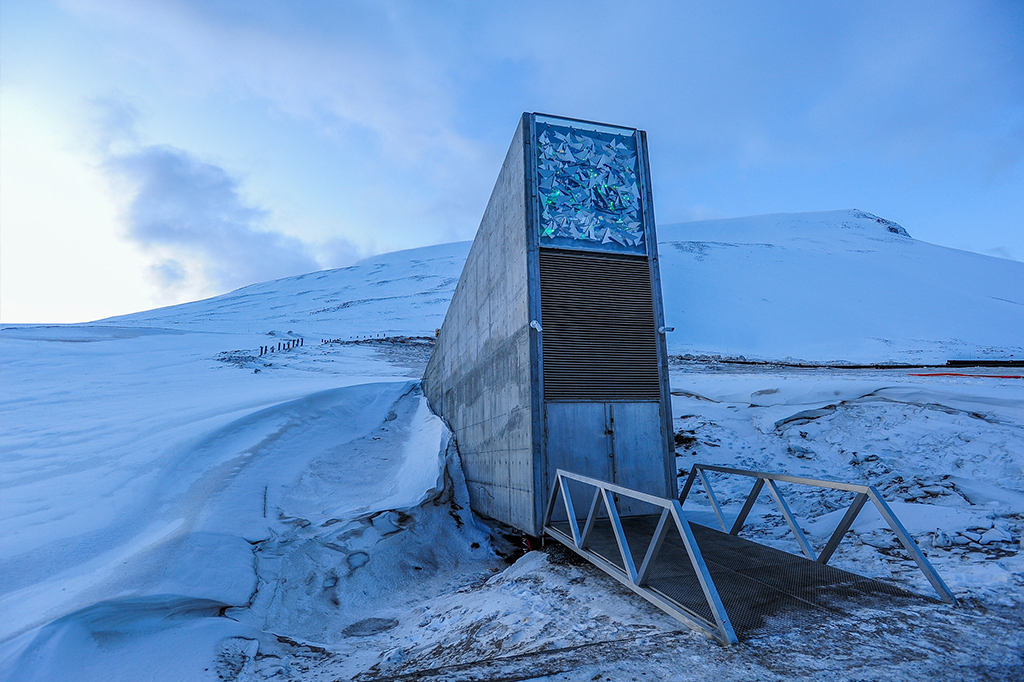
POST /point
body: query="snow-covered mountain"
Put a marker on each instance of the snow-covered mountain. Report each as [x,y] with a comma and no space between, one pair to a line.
[837,286]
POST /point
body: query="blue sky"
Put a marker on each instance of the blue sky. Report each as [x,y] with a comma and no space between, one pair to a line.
[156,152]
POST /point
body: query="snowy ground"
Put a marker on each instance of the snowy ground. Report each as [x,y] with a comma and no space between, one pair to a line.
[236,539]
[176,507]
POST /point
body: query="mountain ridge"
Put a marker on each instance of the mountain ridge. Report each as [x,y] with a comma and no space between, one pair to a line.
[832,286]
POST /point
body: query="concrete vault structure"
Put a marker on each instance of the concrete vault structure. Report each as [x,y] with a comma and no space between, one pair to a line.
[552,354]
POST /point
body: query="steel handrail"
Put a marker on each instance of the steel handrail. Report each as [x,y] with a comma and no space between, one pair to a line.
[634,578]
[864,493]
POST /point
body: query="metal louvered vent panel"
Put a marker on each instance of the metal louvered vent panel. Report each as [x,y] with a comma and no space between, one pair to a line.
[599,340]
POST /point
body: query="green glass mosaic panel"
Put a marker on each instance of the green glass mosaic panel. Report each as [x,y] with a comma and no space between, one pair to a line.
[589,187]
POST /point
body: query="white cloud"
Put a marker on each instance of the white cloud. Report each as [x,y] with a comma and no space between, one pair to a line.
[193,209]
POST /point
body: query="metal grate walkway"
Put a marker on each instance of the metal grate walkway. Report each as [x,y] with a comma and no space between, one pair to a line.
[763,589]
[714,581]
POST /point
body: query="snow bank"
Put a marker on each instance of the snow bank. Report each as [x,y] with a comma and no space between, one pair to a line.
[917,518]
[145,483]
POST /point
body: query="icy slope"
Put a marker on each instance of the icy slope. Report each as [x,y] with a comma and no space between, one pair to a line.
[147,487]
[400,293]
[838,286]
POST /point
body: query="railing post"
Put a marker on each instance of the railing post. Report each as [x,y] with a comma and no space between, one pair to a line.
[620,535]
[908,544]
[552,500]
[844,525]
[790,519]
[688,484]
[711,496]
[747,506]
[707,585]
[653,549]
[591,518]
[570,511]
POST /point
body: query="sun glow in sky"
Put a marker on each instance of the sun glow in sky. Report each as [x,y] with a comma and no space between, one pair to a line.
[157,152]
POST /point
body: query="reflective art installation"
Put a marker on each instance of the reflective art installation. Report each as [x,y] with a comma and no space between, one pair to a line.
[590,188]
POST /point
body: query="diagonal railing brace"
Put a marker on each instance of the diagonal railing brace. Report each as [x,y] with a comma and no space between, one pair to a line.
[672,518]
[864,493]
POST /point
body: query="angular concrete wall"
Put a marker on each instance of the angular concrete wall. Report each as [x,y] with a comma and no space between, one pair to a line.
[576,196]
[478,377]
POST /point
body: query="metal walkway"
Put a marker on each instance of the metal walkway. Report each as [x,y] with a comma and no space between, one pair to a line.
[715,581]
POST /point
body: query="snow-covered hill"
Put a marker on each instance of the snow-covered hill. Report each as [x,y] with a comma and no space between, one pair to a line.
[835,286]
[401,293]
[838,286]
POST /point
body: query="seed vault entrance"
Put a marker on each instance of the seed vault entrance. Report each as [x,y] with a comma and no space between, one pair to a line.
[551,370]
[552,354]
